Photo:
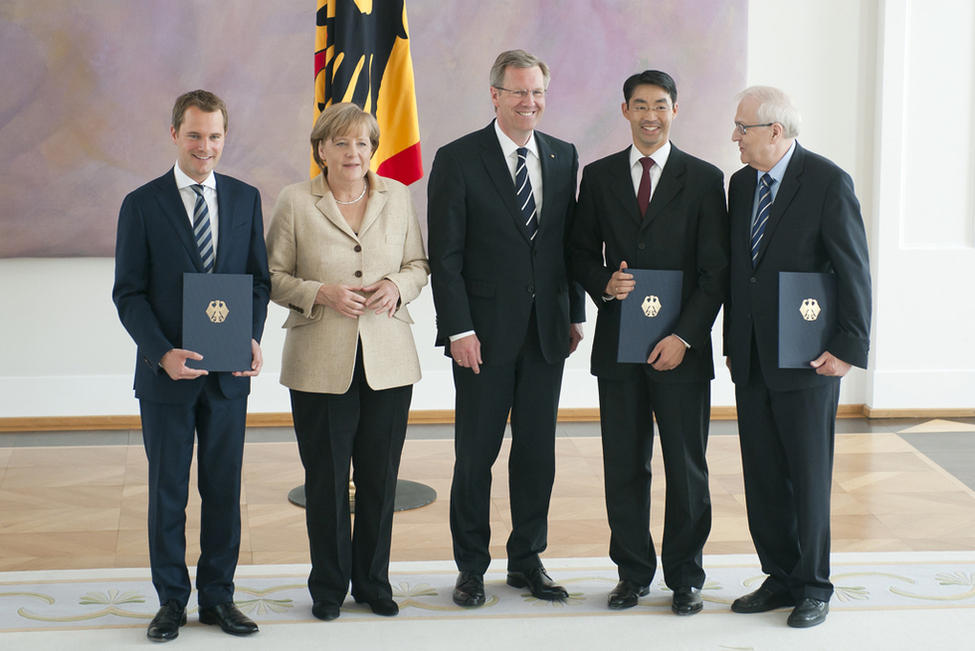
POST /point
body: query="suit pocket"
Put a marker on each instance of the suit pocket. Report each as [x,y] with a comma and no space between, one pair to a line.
[403,315]
[480,288]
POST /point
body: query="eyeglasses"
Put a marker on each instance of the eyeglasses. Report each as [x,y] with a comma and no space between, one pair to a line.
[741,128]
[659,109]
[536,94]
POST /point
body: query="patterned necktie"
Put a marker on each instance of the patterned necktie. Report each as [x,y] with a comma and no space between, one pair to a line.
[201,229]
[643,195]
[764,208]
[526,199]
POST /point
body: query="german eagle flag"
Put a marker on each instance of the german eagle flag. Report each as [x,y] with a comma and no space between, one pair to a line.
[362,55]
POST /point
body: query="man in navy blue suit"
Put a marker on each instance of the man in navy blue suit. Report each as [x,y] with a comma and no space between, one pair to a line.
[190,220]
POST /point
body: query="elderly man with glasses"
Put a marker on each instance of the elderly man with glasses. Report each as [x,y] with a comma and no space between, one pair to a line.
[791,211]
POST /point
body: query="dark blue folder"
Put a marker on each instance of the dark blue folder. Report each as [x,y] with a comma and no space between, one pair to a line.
[649,313]
[217,320]
[807,316]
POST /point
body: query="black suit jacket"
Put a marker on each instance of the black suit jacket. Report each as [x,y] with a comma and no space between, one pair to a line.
[486,270]
[154,248]
[685,228]
[814,226]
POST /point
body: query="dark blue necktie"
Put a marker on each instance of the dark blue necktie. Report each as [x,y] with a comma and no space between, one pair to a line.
[526,199]
[201,229]
[764,208]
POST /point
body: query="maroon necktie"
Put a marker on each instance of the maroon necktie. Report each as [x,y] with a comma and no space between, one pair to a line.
[643,195]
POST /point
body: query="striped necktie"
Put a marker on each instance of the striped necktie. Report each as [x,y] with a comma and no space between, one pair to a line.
[764,208]
[526,199]
[201,229]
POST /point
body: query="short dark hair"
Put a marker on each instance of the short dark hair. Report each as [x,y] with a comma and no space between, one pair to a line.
[650,78]
[201,99]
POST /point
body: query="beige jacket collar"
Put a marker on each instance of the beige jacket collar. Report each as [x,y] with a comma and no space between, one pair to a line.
[374,205]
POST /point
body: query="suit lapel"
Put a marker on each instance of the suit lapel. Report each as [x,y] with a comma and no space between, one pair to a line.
[376,202]
[783,197]
[173,209]
[227,216]
[620,184]
[550,166]
[744,202]
[497,170]
[328,207]
[669,186]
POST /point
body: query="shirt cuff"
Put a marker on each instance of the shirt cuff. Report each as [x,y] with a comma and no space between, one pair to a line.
[461,335]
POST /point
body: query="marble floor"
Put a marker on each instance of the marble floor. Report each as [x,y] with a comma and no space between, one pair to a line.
[78,499]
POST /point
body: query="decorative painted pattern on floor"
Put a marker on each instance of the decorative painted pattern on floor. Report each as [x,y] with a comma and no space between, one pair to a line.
[33,601]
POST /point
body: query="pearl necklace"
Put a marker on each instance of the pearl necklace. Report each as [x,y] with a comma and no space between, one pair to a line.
[356,200]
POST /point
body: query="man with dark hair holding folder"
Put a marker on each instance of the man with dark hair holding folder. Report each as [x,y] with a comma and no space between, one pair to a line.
[791,211]
[652,206]
[190,220]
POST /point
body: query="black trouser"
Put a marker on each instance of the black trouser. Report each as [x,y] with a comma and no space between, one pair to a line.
[368,428]
[627,408]
[787,442]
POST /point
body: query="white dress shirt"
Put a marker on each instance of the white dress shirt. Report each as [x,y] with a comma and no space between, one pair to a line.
[636,167]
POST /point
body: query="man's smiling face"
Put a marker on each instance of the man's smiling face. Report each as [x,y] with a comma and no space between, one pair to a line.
[517,117]
[199,142]
[650,112]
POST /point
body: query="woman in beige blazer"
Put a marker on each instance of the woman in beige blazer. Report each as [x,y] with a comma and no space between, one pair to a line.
[346,257]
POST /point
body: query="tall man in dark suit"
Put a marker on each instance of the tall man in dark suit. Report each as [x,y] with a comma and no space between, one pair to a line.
[190,220]
[500,205]
[652,206]
[787,417]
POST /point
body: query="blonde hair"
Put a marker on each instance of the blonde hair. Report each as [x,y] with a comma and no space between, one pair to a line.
[342,119]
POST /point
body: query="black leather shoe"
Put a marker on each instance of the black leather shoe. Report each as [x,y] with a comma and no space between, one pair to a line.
[539,582]
[384,607]
[626,594]
[469,590]
[325,611]
[761,601]
[165,625]
[808,612]
[687,601]
[229,618]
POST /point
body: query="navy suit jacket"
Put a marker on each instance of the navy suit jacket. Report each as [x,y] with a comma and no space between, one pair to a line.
[486,270]
[814,226]
[685,228]
[154,248]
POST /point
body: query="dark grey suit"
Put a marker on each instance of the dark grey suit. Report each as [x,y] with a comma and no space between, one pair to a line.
[489,276]
[786,417]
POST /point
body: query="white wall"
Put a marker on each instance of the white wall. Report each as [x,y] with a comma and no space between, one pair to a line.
[923,193]
[852,66]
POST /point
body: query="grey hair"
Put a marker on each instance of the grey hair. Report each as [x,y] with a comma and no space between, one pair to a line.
[775,105]
[516,59]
